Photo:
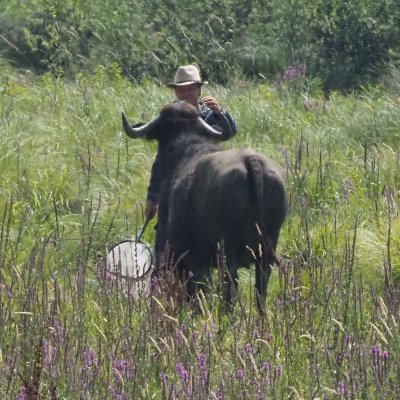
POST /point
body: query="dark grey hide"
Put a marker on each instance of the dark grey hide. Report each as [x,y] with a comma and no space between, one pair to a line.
[212,197]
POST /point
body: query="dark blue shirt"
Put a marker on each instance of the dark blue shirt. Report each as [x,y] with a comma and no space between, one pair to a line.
[223,121]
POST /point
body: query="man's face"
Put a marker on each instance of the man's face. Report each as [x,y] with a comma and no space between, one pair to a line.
[189,93]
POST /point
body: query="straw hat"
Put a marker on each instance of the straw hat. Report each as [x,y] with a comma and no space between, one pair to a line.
[186,75]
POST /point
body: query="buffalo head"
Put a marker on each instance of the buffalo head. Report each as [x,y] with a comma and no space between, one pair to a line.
[173,118]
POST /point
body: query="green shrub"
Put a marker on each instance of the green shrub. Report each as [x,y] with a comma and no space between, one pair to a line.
[345,44]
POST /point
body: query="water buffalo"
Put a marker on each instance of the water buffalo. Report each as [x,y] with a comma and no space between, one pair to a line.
[211,197]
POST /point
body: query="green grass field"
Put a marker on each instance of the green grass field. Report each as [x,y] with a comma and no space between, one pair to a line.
[72,183]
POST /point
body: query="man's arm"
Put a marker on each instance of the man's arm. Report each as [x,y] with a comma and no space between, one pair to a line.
[153,191]
[213,114]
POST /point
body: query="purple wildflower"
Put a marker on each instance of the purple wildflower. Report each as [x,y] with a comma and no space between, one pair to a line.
[249,349]
[385,355]
[375,355]
[213,328]
[89,358]
[122,369]
[154,282]
[117,395]
[214,324]
[90,369]
[182,372]
[388,192]
[47,355]
[195,335]
[180,337]
[341,389]
[202,362]
[295,71]
[278,371]
[339,359]
[23,394]
[347,189]
[218,394]
[240,373]
[163,378]
[266,369]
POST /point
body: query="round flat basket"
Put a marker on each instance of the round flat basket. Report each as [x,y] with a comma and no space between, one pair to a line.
[130,264]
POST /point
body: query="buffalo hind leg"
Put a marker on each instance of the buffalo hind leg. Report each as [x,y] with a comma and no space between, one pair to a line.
[231,281]
[263,273]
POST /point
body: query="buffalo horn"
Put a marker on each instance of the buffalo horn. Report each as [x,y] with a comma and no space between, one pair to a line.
[138,130]
[210,129]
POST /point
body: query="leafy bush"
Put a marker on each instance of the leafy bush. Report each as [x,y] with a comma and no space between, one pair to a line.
[353,40]
[52,37]
[345,43]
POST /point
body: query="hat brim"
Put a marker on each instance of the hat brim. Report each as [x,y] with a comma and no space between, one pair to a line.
[174,84]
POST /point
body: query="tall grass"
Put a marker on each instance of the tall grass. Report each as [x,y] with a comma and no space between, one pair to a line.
[71,183]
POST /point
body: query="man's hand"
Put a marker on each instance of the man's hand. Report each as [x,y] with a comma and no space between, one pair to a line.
[212,104]
[150,210]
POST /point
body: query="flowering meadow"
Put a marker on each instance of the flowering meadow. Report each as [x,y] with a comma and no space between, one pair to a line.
[72,184]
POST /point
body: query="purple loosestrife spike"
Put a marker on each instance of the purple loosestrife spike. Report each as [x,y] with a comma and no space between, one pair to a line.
[249,349]
[180,338]
[339,359]
[154,282]
[202,361]
[164,379]
[89,357]
[375,354]
[278,371]
[266,369]
[123,367]
[182,373]
[266,366]
[119,397]
[218,395]
[341,389]
[203,368]
[214,324]
[116,395]
[47,355]
[240,373]
[58,328]
[23,394]
[279,301]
